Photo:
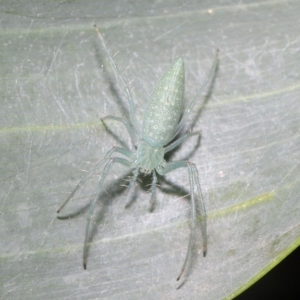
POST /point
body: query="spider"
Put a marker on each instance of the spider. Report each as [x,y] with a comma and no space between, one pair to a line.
[163,120]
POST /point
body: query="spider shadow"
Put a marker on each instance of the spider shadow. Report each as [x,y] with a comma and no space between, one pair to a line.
[101,62]
[206,97]
[116,188]
[114,92]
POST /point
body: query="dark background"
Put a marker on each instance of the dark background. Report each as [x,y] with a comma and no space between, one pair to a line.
[280,283]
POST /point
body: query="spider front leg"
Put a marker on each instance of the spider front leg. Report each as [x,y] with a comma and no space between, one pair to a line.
[193,180]
[129,97]
[120,150]
[109,161]
[106,170]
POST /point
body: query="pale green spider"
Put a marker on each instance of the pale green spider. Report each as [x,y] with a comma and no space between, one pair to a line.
[162,122]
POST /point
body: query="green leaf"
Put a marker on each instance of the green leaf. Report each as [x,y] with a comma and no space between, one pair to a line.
[56,84]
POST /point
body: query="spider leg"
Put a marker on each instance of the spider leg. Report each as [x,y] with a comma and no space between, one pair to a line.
[120,150]
[202,210]
[127,124]
[129,97]
[193,180]
[181,140]
[106,170]
[208,81]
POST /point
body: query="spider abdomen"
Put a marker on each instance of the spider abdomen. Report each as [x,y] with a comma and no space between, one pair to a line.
[165,107]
